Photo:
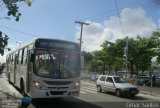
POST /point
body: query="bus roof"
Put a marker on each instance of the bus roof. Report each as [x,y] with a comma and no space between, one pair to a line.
[37,38]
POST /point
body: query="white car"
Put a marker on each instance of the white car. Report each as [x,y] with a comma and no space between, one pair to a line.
[116,84]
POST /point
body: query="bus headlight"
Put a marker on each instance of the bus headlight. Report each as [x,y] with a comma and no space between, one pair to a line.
[76,85]
[39,85]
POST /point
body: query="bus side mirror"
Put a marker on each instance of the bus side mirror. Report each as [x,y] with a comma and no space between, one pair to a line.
[32,57]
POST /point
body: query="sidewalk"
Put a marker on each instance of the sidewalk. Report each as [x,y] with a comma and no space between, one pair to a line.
[154,91]
[9,97]
[145,91]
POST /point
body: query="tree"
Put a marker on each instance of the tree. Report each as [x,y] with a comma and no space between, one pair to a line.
[140,52]
[12,7]
[97,61]
[108,51]
[88,57]
[3,42]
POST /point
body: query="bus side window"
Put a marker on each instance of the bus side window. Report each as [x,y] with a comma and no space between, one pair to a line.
[24,56]
[12,59]
[19,57]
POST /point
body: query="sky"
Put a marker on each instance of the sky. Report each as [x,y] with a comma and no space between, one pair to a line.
[56,19]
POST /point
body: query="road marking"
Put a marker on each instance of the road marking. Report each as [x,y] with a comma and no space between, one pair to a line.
[88,90]
[83,92]
[88,83]
[87,87]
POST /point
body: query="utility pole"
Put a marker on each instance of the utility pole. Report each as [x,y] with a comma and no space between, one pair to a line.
[126,53]
[80,44]
[81,23]
[127,56]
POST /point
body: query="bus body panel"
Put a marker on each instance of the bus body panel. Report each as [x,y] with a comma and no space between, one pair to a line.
[21,74]
[10,73]
[58,88]
[18,71]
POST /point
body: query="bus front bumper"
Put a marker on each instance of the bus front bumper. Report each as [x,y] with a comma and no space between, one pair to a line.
[38,93]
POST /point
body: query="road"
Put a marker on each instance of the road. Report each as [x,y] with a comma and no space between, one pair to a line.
[89,98]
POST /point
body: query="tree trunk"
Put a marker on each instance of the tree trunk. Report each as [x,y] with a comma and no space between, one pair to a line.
[131,63]
[137,70]
[109,69]
[104,68]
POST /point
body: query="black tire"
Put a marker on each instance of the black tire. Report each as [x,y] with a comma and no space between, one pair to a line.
[118,93]
[99,89]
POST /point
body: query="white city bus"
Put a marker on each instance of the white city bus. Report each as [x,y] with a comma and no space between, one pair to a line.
[45,68]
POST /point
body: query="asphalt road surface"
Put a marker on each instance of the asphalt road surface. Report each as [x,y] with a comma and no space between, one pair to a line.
[89,98]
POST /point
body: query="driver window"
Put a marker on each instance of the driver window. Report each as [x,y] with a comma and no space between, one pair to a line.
[102,78]
[41,65]
[109,79]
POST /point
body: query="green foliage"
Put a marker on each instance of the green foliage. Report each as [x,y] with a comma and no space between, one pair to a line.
[3,42]
[13,9]
[88,57]
[140,52]
[29,3]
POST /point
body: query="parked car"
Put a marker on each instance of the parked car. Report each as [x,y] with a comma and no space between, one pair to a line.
[144,79]
[116,84]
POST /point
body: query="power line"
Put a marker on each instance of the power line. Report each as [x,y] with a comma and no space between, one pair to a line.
[126,47]
[119,18]
[9,32]
[69,30]
[113,12]
[18,31]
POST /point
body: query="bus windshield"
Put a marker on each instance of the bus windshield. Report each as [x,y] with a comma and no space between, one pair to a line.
[57,64]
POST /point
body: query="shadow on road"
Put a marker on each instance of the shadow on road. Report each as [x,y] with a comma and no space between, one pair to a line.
[69,102]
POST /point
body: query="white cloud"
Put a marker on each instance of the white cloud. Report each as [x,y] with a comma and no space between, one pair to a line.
[134,21]
[94,35]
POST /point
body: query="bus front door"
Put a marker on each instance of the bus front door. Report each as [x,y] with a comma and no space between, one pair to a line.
[29,71]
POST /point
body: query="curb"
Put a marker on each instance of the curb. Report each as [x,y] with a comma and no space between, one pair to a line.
[154,96]
[149,96]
